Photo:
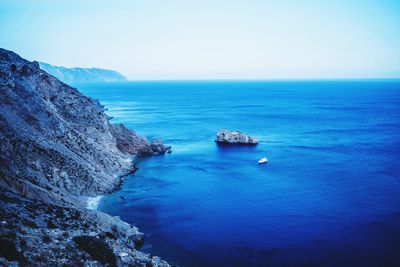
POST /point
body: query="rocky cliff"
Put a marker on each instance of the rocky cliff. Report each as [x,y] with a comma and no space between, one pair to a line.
[57,148]
[82,75]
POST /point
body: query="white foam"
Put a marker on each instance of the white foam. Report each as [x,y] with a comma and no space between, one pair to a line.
[93,202]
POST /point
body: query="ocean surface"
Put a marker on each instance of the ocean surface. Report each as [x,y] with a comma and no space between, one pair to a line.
[329,195]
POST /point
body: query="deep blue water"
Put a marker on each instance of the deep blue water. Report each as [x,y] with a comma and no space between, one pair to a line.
[329,196]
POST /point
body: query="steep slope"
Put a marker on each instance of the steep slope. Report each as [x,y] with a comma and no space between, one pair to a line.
[57,148]
[82,75]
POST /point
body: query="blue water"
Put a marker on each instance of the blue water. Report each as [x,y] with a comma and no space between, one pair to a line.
[329,195]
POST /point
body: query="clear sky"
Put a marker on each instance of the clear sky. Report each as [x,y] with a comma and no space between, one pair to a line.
[210,39]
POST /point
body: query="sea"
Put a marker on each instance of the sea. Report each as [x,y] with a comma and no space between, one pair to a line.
[328,196]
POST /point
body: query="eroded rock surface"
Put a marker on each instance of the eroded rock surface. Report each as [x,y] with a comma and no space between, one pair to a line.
[130,143]
[234,137]
[57,148]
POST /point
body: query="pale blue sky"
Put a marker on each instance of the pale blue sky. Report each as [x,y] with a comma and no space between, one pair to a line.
[210,39]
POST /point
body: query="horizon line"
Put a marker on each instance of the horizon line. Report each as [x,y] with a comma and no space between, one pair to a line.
[264,79]
[242,80]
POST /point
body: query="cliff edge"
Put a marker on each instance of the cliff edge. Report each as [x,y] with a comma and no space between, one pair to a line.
[57,148]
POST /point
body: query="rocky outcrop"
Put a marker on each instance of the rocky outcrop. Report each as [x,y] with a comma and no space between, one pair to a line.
[57,148]
[82,75]
[234,137]
[129,143]
[37,233]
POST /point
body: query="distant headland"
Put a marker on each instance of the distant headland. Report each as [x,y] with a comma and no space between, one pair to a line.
[82,75]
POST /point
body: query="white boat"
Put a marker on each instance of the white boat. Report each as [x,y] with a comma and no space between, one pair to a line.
[263,160]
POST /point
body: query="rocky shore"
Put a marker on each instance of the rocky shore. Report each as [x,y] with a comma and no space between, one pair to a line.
[57,149]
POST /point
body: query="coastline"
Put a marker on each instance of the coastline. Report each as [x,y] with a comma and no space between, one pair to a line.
[63,157]
[92,203]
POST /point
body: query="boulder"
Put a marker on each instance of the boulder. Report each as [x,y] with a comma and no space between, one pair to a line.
[234,137]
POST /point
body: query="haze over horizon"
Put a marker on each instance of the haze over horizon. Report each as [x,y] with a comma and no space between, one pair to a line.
[146,40]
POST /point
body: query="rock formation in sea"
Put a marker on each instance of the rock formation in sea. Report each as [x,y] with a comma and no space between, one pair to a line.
[57,149]
[82,75]
[234,137]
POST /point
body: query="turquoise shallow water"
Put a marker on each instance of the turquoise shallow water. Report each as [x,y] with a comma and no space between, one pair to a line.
[329,196]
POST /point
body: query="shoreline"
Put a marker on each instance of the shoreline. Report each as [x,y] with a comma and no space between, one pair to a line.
[92,203]
[65,157]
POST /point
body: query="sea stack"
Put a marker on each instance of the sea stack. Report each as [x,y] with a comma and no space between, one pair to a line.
[234,137]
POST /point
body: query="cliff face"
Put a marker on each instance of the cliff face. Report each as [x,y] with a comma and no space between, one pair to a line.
[57,148]
[82,75]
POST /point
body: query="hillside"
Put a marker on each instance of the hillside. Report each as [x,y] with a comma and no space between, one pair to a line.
[82,75]
[57,149]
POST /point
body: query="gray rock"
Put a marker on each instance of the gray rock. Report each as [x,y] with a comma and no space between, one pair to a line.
[130,143]
[57,148]
[234,137]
